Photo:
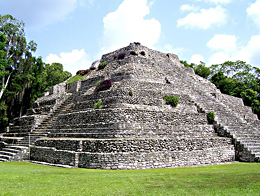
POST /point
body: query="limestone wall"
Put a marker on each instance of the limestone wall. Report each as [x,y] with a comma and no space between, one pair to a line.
[138,154]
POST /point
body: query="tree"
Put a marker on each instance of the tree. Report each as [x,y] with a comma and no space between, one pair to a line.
[202,70]
[15,45]
[23,77]
[55,74]
[238,79]
[187,64]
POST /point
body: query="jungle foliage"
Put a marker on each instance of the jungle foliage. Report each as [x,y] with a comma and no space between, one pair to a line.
[238,79]
[23,76]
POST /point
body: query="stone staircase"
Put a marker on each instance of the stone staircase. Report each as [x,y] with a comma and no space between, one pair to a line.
[233,119]
[15,150]
[245,137]
[14,153]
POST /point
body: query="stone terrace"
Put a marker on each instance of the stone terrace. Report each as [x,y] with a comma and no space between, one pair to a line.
[136,131]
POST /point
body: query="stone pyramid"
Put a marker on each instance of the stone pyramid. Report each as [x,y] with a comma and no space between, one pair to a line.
[135,128]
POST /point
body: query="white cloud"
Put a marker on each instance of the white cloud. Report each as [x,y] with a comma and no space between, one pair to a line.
[151,3]
[204,19]
[231,51]
[217,1]
[196,59]
[127,24]
[250,53]
[72,61]
[39,13]
[254,12]
[219,57]
[168,48]
[227,43]
[187,7]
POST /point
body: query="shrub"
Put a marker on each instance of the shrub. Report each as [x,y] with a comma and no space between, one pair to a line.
[142,53]
[131,93]
[104,85]
[171,100]
[83,72]
[98,105]
[121,55]
[137,43]
[92,68]
[102,65]
[211,117]
[133,53]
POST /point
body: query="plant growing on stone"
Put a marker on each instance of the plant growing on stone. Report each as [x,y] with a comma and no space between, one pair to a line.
[121,55]
[97,83]
[104,85]
[102,65]
[133,53]
[75,79]
[131,93]
[83,72]
[211,117]
[171,100]
[98,105]
[142,53]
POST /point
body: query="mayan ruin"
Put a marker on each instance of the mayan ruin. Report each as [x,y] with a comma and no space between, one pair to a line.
[117,117]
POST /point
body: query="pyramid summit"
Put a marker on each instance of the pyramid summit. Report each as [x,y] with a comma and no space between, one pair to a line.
[118,117]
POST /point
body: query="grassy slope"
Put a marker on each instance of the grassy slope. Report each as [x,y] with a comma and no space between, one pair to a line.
[31,179]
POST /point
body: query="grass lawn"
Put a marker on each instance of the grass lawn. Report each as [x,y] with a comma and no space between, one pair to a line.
[20,178]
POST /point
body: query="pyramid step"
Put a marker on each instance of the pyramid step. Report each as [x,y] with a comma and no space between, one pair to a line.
[7,157]
[248,144]
[257,154]
[17,147]
[254,148]
[7,153]
[10,150]
[3,160]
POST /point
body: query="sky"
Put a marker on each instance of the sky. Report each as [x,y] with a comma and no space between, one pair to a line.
[77,32]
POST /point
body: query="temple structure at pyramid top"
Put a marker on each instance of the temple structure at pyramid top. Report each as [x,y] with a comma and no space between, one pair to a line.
[118,117]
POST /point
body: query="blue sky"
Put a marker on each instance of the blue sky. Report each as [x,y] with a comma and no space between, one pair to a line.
[77,32]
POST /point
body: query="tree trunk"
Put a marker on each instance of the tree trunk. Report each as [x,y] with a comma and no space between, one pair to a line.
[4,84]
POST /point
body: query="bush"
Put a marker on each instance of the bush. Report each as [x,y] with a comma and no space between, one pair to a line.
[137,43]
[131,93]
[142,53]
[98,105]
[92,68]
[211,117]
[121,55]
[171,100]
[133,53]
[104,85]
[102,65]
[83,72]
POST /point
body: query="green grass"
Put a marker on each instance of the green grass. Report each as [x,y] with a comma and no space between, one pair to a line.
[75,78]
[32,179]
